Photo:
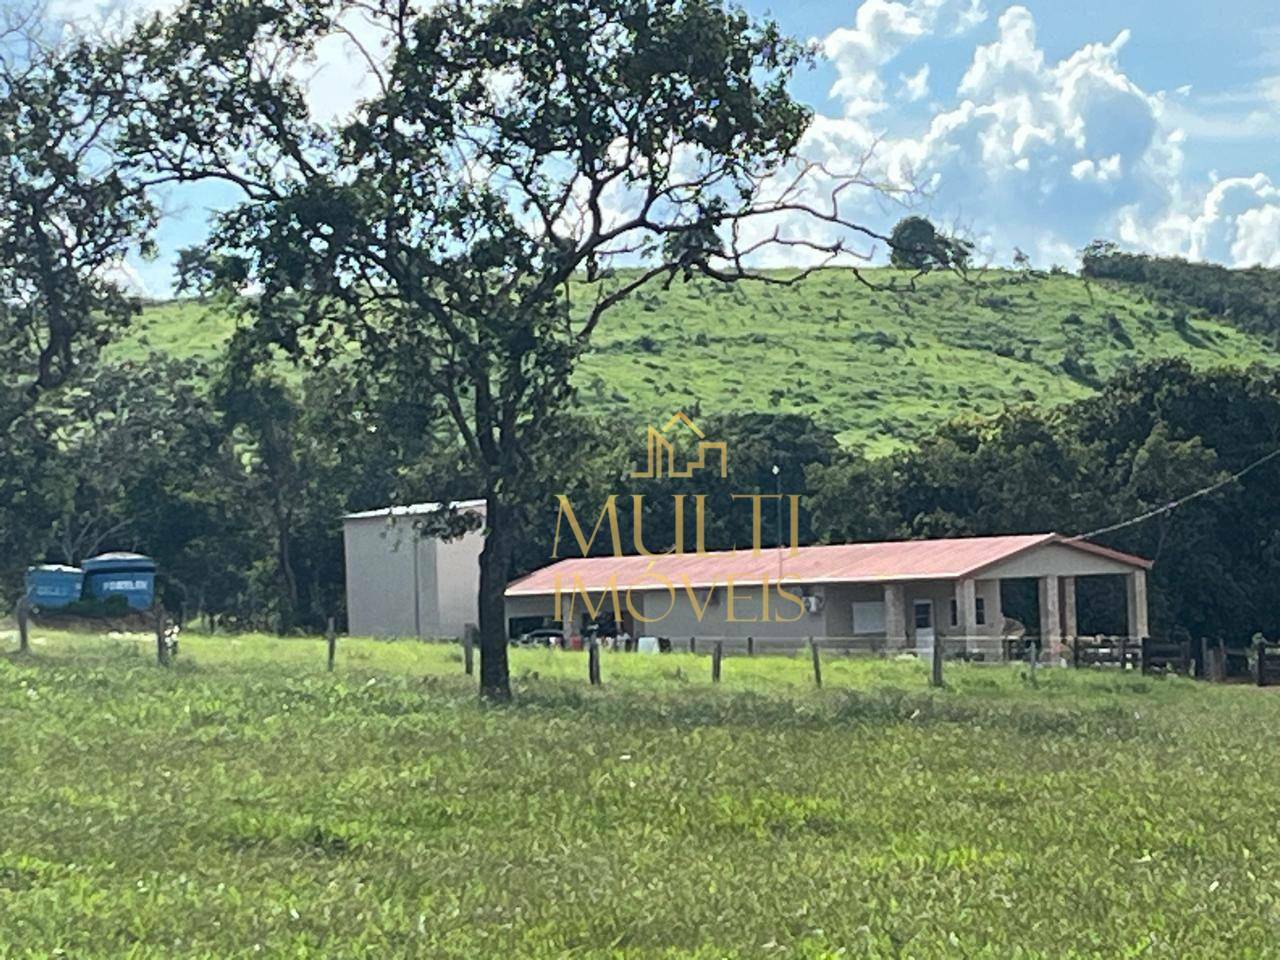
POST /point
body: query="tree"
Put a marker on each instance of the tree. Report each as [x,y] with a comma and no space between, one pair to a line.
[124,422]
[916,244]
[69,210]
[460,229]
[68,215]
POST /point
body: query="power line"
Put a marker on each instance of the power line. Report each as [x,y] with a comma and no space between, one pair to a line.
[1174,504]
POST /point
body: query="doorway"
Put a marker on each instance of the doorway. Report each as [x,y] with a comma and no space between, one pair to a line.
[922,618]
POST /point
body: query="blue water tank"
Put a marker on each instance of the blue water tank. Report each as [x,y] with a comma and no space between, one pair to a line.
[52,586]
[130,575]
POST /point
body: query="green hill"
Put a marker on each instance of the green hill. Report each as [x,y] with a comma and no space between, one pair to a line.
[881,368]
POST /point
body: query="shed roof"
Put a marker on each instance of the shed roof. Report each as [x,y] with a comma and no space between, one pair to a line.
[895,560]
[413,510]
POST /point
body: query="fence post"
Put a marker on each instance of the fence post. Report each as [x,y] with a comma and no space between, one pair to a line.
[717,653]
[24,625]
[1144,664]
[1124,653]
[693,644]
[162,650]
[935,677]
[1075,653]
[751,646]
[815,650]
[468,650]
[331,636]
[1222,660]
[593,661]
[1260,664]
[1186,658]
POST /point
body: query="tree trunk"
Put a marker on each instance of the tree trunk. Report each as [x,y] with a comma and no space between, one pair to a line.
[495,563]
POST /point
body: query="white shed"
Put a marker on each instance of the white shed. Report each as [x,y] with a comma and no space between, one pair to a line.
[400,584]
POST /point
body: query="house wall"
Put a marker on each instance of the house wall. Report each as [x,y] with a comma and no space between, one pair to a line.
[679,619]
[748,617]
[942,592]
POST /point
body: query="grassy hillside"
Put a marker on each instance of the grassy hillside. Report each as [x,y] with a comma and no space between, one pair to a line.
[881,368]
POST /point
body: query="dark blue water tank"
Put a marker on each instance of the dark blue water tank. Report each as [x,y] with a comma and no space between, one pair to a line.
[51,586]
[130,575]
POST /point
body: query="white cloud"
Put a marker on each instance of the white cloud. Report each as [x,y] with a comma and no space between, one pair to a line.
[916,86]
[881,30]
[1236,222]
[1012,64]
[1042,155]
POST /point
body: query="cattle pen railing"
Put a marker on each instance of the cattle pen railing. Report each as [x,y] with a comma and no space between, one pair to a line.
[1139,653]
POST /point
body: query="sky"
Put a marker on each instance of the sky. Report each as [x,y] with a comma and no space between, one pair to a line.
[1039,125]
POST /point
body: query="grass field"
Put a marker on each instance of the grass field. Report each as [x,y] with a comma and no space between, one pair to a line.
[879,368]
[247,803]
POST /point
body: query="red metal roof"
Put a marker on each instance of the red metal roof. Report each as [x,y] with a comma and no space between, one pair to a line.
[950,559]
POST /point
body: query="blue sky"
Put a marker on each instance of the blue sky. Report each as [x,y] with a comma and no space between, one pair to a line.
[1038,125]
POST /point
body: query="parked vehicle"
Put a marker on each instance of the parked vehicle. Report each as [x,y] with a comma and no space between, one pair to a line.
[540,638]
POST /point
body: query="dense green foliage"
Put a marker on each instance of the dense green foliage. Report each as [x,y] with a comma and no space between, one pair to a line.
[246,803]
[1248,299]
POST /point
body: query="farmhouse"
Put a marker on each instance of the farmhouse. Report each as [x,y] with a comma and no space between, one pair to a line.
[906,593]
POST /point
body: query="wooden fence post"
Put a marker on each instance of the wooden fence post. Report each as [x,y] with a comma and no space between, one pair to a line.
[1186,659]
[816,652]
[24,624]
[1222,660]
[751,646]
[1260,665]
[593,662]
[717,654]
[1124,653]
[935,676]
[468,650]
[331,635]
[1075,653]
[1144,664]
[693,644]
[162,648]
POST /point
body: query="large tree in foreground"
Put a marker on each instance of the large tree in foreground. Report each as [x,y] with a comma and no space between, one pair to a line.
[69,209]
[459,230]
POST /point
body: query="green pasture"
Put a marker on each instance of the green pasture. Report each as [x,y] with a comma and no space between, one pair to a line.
[246,803]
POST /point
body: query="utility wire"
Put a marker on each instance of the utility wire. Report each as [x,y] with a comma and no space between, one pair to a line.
[1173,504]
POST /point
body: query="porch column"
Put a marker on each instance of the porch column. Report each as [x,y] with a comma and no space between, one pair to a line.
[967,609]
[1050,617]
[1069,625]
[1136,597]
[895,616]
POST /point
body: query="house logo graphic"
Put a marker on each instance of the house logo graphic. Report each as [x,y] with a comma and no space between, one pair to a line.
[662,453]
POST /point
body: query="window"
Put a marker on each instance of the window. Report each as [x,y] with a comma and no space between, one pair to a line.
[979,612]
[868,618]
